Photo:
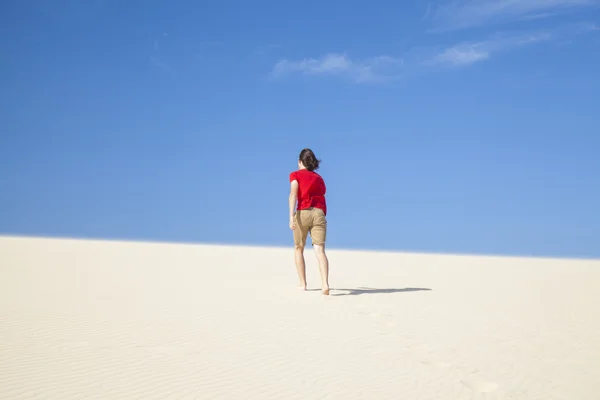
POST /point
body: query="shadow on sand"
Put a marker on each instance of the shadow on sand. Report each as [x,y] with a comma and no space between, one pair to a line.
[366,290]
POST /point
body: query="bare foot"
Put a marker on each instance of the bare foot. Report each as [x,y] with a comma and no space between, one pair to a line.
[301,286]
[325,291]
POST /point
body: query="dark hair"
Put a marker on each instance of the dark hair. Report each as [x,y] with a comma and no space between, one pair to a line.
[309,160]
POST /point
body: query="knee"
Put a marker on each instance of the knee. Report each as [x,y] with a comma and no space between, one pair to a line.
[299,248]
[319,249]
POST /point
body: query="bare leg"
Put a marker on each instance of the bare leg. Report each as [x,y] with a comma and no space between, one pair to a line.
[300,266]
[323,267]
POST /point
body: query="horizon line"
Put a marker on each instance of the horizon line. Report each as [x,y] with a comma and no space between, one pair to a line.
[282,247]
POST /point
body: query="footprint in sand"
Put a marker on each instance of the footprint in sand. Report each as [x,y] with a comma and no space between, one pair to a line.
[421,351]
[481,386]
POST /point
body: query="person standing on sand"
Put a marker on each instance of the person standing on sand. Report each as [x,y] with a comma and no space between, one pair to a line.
[307,188]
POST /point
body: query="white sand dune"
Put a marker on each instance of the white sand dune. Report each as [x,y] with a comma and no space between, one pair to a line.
[83,319]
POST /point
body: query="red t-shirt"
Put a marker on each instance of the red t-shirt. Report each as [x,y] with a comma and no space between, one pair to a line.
[311,189]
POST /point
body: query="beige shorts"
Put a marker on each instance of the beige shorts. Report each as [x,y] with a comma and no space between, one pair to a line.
[313,221]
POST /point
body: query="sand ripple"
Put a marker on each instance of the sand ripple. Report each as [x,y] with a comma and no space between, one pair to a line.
[111,320]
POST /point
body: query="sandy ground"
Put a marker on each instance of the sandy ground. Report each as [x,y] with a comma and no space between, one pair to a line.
[118,320]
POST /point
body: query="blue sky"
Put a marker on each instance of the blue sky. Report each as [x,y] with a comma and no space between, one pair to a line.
[443,126]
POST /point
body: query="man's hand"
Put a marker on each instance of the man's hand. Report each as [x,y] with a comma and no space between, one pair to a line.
[292,223]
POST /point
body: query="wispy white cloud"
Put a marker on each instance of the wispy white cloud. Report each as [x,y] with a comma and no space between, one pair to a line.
[376,69]
[418,60]
[587,27]
[463,54]
[457,14]
[467,53]
[536,16]
[386,68]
